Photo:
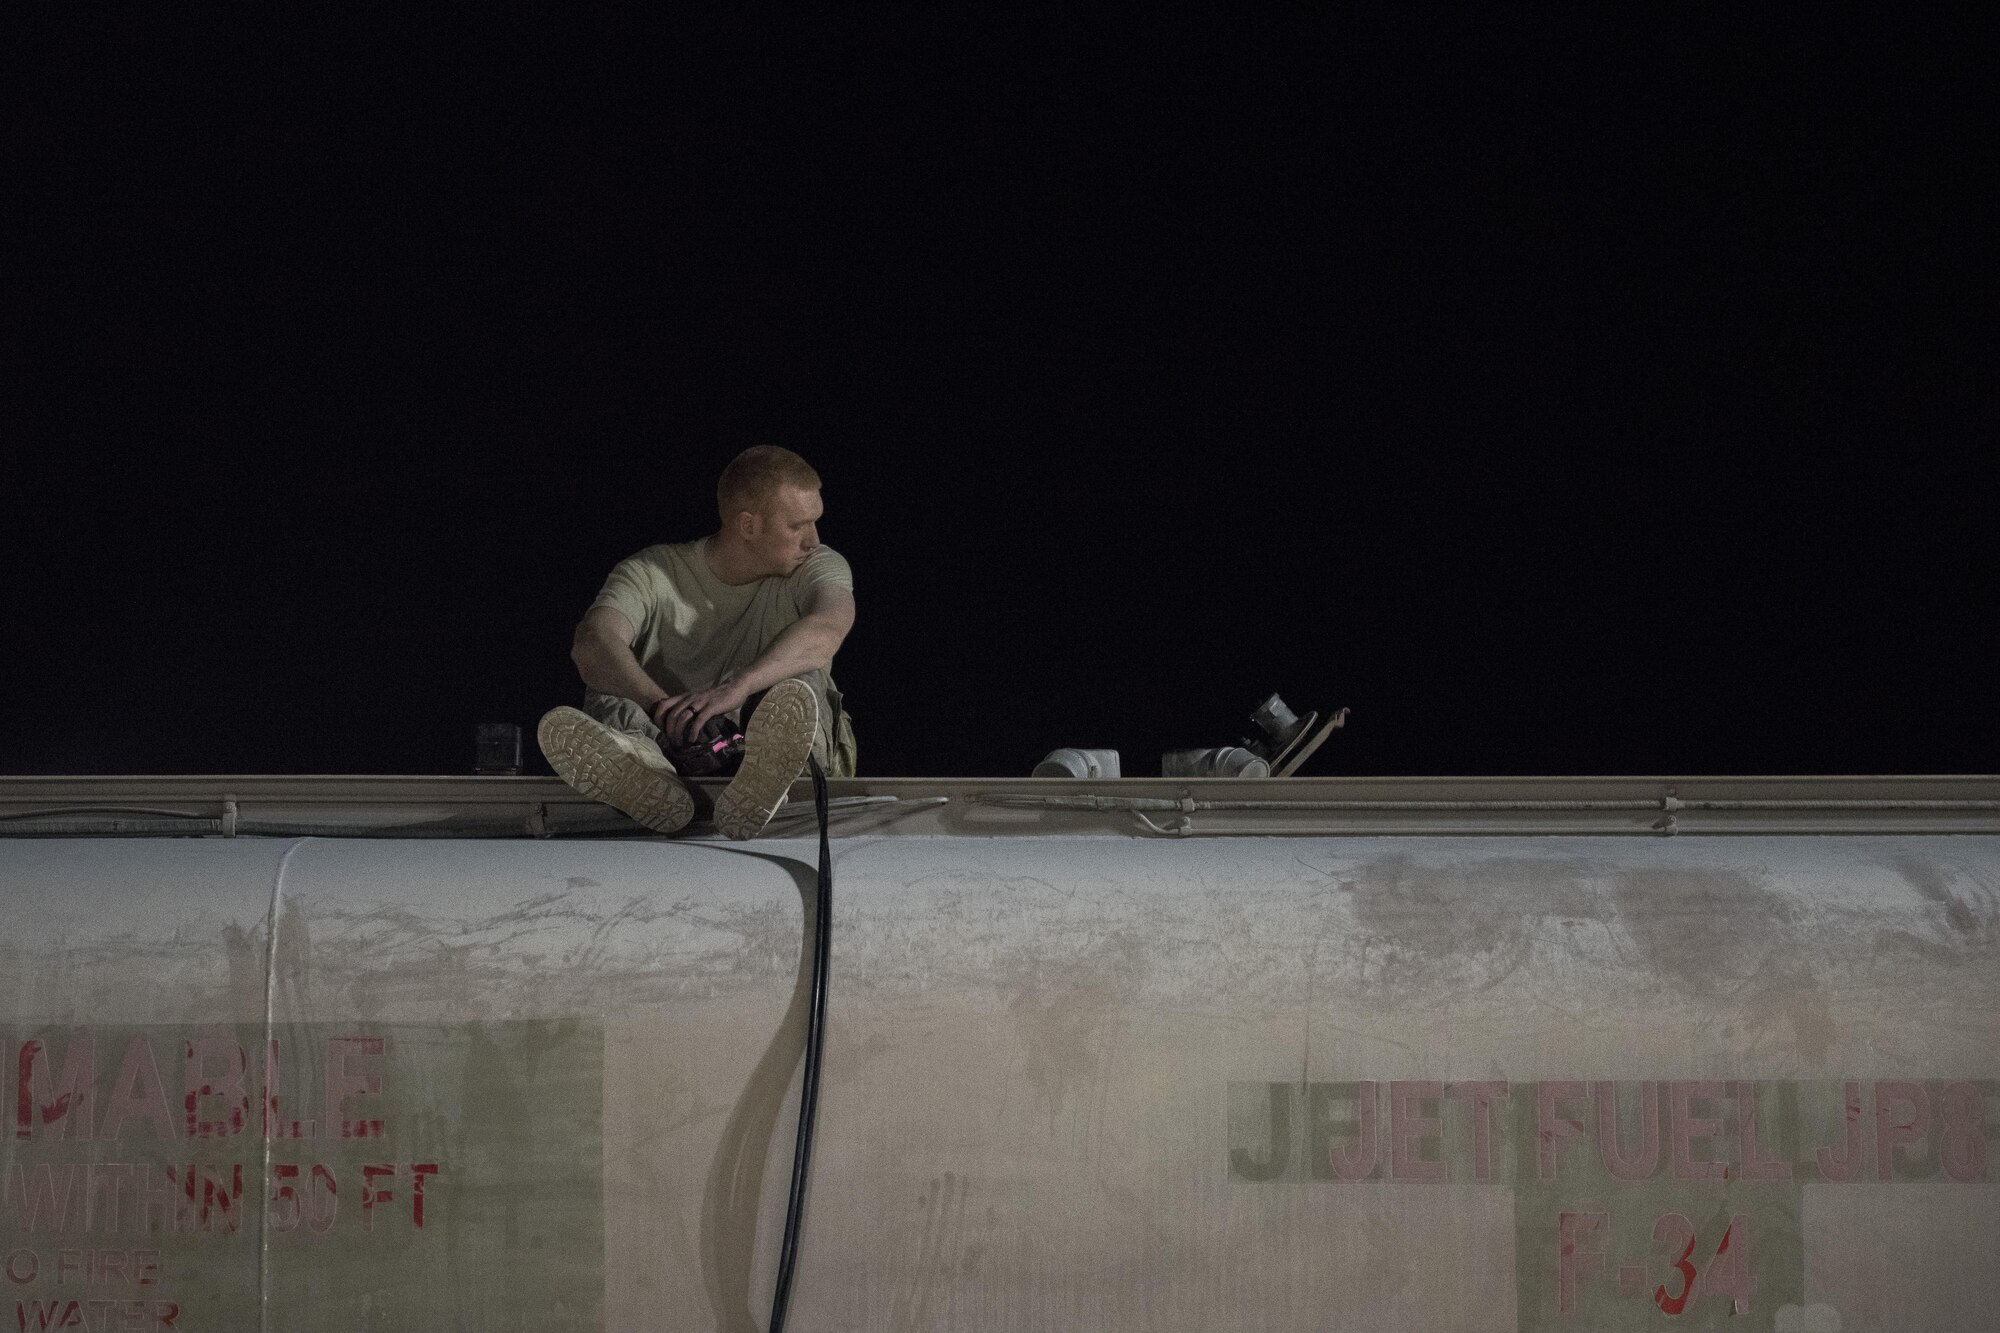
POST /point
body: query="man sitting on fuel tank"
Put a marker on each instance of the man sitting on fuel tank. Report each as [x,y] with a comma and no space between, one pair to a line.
[688,640]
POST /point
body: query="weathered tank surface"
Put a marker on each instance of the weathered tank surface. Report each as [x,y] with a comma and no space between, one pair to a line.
[1079,1076]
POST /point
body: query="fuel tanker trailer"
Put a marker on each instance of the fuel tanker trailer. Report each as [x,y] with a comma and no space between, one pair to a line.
[1205,1054]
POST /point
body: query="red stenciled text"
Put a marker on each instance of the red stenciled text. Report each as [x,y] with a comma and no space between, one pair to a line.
[65,1094]
[1695,1130]
[109,1198]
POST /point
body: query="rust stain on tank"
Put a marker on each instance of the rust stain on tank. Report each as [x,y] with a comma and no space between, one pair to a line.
[1062,1010]
[1700,928]
[1929,880]
[1423,928]
[1813,1028]
[943,1258]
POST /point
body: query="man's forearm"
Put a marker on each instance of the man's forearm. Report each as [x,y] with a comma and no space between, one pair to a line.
[805,645]
[608,667]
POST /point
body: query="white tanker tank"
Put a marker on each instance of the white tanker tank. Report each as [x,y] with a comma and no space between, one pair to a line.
[303,1054]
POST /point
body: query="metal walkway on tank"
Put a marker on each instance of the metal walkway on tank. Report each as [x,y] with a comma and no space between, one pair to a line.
[528,807]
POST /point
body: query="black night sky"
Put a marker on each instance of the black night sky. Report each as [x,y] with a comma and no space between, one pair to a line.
[1562,399]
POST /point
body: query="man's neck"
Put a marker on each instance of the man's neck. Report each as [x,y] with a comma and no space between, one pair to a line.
[729,563]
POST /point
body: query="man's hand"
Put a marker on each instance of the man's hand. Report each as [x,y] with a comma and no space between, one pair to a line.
[680,717]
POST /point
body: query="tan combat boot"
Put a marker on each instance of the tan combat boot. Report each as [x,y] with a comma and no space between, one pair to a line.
[775,746]
[627,773]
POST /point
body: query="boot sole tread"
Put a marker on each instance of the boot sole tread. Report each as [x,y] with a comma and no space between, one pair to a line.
[586,755]
[775,746]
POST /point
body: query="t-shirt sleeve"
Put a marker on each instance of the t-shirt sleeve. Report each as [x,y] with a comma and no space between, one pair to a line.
[629,592]
[825,567]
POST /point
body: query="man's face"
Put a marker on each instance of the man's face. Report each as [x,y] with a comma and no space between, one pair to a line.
[788,529]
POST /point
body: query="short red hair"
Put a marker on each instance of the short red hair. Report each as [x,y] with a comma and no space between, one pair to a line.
[756,474]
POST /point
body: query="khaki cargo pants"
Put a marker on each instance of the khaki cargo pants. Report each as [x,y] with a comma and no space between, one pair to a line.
[834,745]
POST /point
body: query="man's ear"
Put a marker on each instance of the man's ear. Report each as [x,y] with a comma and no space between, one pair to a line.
[747,524]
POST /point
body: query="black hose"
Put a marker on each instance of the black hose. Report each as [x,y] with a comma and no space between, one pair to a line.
[788,1254]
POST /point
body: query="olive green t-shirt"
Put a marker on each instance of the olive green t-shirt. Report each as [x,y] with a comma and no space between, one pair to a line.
[692,629]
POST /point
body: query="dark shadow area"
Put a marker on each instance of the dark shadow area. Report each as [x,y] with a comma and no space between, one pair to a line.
[1565,398]
[730,1212]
